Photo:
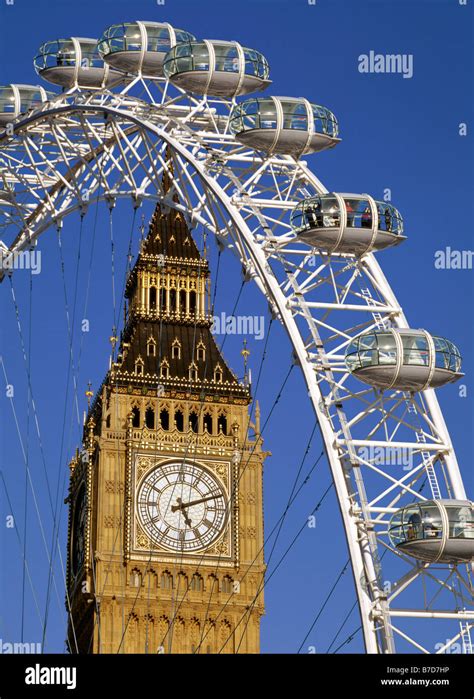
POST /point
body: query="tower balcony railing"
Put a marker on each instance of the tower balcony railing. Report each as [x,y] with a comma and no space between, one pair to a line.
[170,315]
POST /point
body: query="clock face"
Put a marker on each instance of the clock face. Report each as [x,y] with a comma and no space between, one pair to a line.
[78,531]
[182,507]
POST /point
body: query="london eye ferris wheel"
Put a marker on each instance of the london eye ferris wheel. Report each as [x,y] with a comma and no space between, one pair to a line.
[149,100]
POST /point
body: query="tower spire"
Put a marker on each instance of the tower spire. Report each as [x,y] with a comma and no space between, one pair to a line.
[89,394]
[168,172]
[167,292]
[245,354]
[257,418]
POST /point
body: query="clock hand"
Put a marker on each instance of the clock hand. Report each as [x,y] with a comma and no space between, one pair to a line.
[181,505]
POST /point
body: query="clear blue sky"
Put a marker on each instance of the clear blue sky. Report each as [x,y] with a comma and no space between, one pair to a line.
[396,133]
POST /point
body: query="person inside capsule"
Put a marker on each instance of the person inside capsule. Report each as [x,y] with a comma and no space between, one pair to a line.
[414,527]
[460,523]
[350,213]
[331,209]
[333,220]
[313,215]
[366,221]
[430,527]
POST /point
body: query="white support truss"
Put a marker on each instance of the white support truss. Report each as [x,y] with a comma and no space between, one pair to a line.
[113,144]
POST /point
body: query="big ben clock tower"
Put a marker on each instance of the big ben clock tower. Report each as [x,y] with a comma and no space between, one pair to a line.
[165,545]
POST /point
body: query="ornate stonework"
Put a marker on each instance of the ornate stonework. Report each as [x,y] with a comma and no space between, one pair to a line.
[173,523]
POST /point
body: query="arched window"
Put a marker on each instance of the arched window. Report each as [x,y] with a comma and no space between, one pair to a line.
[151,347]
[182,580]
[107,421]
[176,349]
[136,417]
[182,301]
[179,420]
[152,297]
[150,418]
[208,422]
[164,369]
[222,424]
[193,420]
[193,374]
[150,581]
[192,302]
[226,640]
[131,630]
[213,582]
[139,367]
[162,300]
[165,419]
[163,628]
[227,584]
[194,634]
[218,374]
[201,352]
[172,300]
[166,580]
[197,583]
[135,578]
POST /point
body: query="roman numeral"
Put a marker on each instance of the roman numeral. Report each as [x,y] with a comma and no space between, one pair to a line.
[162,534]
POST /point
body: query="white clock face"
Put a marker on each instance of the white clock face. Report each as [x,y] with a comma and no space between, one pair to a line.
[182,507]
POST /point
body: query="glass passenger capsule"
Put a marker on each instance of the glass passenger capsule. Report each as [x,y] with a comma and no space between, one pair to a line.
[347,223]
[435,530]
[403,359]
[140,47]
[220,68]
[74,61]
[19,99]
[288,125]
